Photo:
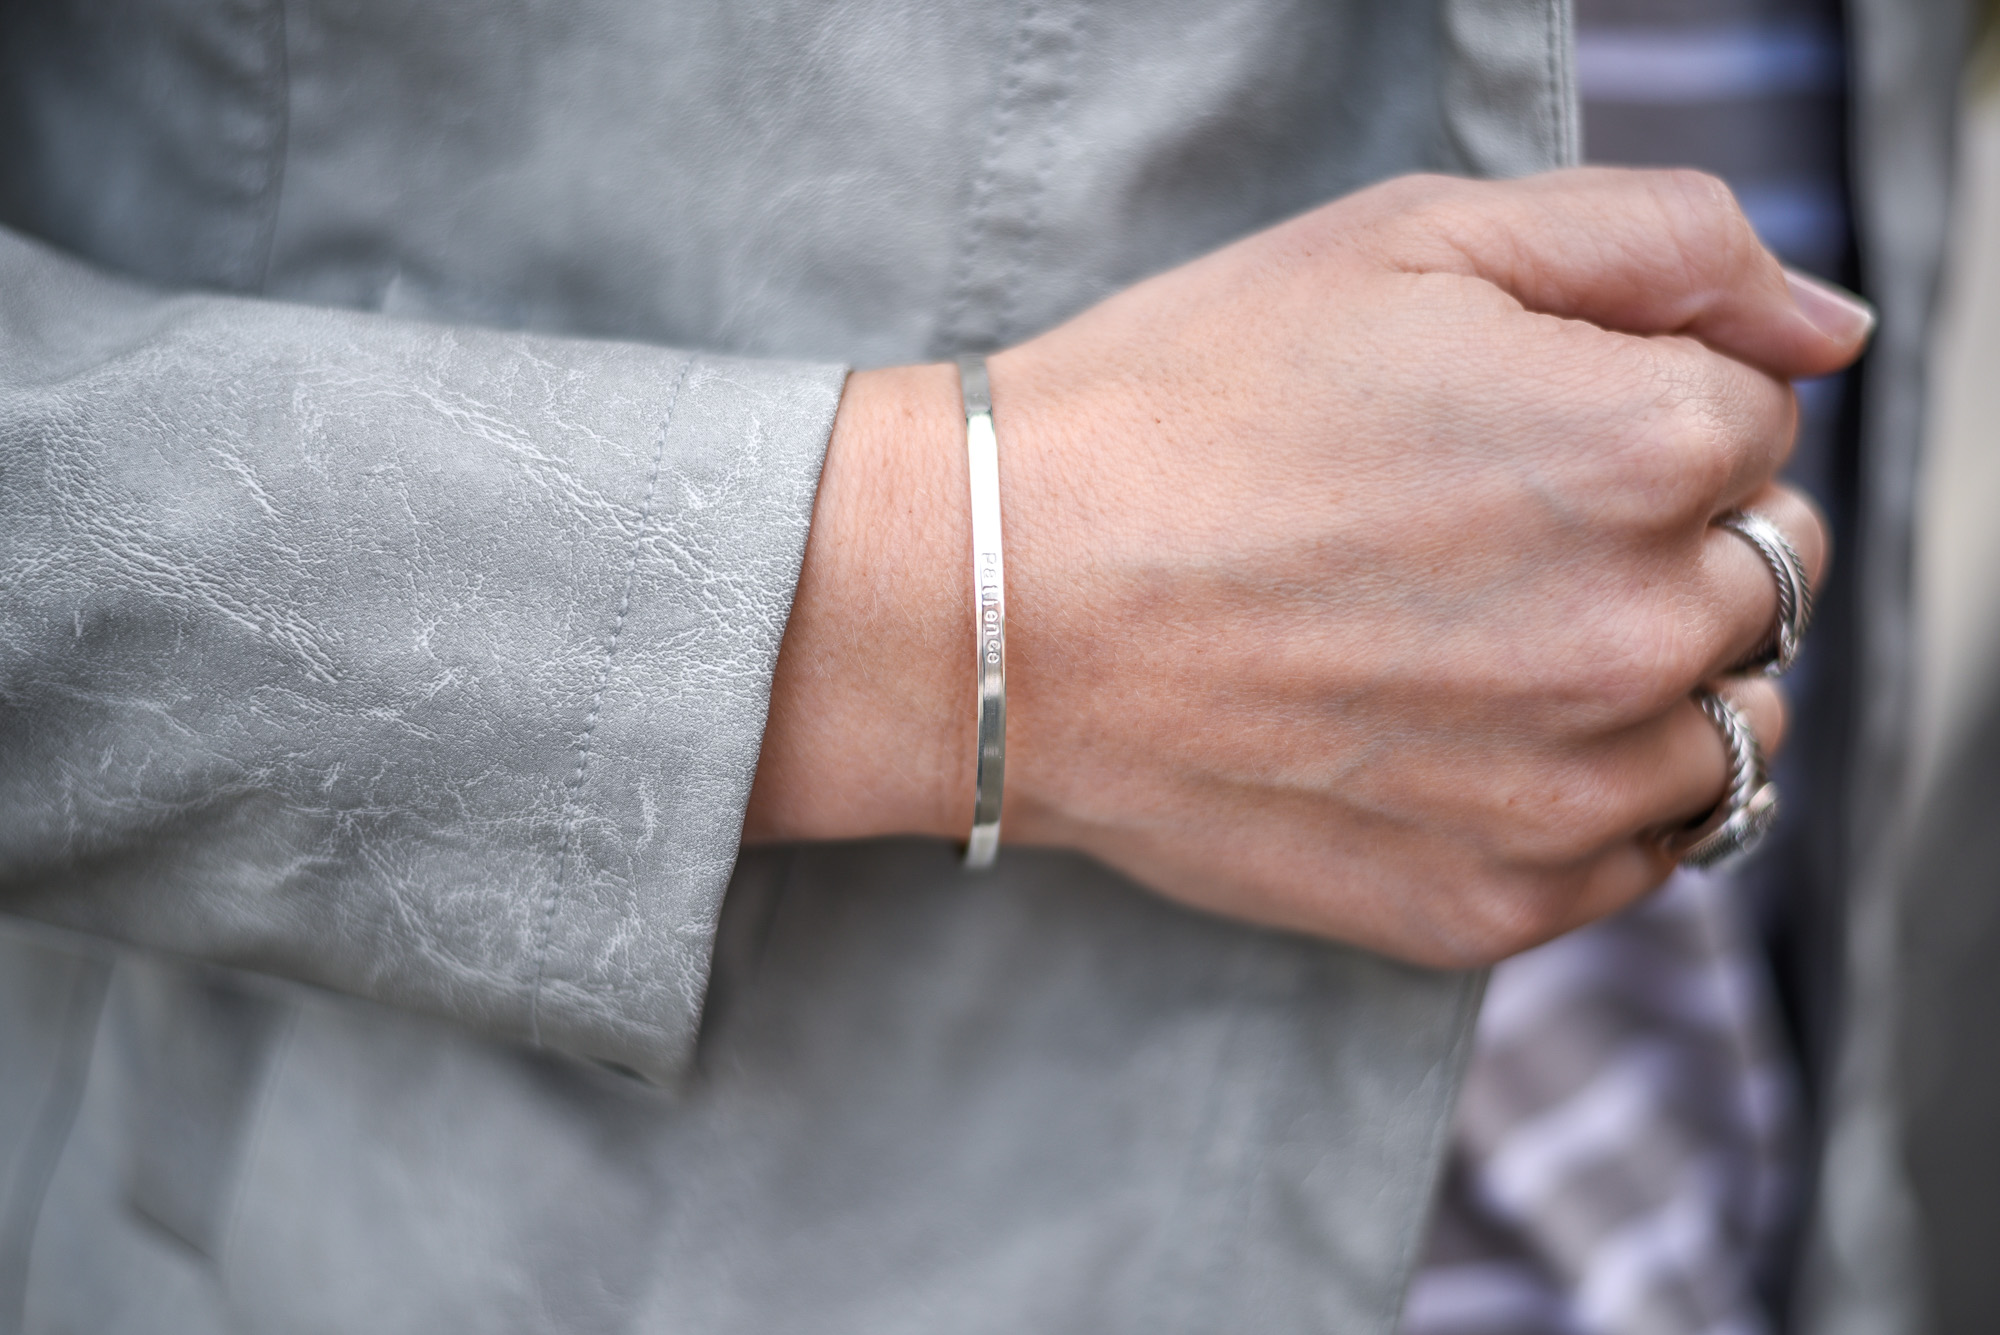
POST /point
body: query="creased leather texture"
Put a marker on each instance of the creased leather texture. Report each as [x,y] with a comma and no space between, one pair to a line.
[426,664]
[425,659]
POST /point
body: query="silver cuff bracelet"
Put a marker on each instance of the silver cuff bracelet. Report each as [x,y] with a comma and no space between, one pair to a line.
[982,455]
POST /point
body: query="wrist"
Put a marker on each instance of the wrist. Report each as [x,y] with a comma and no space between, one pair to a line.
[870,728]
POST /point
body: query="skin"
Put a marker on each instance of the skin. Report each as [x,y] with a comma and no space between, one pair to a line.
[1358,572]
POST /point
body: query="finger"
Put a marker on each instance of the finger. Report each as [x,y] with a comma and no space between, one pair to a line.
[1721,427]
[1739,587]
[1693,764]
[1801,520]
[1761,705]
[1647,252]
[1673,769]
[1617,879]
[1671,773]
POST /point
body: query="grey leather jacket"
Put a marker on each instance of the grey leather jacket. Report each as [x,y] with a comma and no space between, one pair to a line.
[409,423]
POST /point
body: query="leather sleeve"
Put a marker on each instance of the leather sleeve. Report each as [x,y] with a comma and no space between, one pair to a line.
[422,663]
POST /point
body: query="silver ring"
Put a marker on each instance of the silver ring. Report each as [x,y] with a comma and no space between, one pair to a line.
[1795,603]
[1747,810]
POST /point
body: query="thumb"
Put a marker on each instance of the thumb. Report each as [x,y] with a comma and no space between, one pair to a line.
[1644,252]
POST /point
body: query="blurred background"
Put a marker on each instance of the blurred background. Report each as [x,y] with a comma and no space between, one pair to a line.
[1757,92]
[1950,1022]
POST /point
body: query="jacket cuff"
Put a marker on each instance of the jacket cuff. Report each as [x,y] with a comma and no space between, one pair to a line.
[424,663]
[680,689]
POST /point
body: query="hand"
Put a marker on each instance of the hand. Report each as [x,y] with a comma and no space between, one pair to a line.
[1359,572]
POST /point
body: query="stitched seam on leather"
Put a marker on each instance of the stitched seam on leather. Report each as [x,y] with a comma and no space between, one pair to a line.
[986,185]
[1235,1196]
[1173,1283]
[48,1134]
[1045,165]
[573,792]
[1559,99]
[254,1133]
[1552,34]
[1414,1236]
[281,147]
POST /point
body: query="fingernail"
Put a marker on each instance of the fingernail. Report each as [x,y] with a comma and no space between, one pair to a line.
[1834,311]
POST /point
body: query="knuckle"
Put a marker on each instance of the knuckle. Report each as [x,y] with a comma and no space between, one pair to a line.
[1435,222]
[1689,437]
[1702,211]
[1443,225]
[1643,656]
[1416,189]
[1672,649]
[1682,436]
[1700,194]
[1508,912]
[1573,814]
[1394,215]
